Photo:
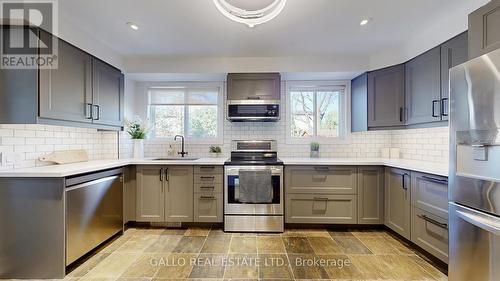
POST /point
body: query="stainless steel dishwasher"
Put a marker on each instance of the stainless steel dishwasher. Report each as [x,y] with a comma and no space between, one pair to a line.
[94,211]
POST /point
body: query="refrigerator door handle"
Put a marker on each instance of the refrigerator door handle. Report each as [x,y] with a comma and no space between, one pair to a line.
[480,221]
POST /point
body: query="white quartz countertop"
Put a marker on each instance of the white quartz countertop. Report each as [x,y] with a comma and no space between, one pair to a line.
[65,170]
[58,171]
[440,169]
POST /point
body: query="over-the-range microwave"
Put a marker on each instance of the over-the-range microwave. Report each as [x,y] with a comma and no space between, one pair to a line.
[253,110]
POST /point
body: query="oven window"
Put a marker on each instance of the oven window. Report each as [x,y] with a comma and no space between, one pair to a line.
[233,192]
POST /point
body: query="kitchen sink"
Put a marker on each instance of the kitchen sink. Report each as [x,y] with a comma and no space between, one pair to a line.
[176,158]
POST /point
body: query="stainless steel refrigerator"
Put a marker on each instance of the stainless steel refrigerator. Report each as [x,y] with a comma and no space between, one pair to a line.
[474,193]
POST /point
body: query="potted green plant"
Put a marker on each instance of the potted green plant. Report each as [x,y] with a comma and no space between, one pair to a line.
[137,131]
[314,150]
[215,150]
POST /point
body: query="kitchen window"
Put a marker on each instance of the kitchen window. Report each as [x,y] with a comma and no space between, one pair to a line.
[191,110]
[317,111]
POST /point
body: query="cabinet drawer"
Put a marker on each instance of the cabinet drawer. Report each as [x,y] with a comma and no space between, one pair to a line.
[320,179]
[208,208]
[430,232]
[208,188]
[210,169]
[430,193]
[321,208]
[207,178]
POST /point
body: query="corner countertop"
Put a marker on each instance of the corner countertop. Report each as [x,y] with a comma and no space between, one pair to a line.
[60,171]
[440,169]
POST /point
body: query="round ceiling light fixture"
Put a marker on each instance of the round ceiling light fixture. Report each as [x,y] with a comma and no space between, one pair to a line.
[250,17]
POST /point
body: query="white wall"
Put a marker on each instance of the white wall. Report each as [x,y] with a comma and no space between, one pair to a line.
[453,22]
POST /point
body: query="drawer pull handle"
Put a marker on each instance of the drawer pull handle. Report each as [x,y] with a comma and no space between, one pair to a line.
[439,181]
[322,168]
[207,187]
[320,199]
[208,178]
[207,197]
[435,222]
[207,167]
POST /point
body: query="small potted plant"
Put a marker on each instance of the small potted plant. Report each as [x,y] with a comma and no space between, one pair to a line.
[314,150]
[215,150]
[137,131]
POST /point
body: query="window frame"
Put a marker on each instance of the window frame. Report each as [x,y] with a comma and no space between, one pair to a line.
[315,86]
[190,85]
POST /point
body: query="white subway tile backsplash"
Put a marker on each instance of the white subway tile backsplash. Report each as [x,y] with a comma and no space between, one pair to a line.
[33,141]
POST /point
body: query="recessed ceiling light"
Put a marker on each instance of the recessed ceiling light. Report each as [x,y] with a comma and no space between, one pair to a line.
[364,21]
[133,25]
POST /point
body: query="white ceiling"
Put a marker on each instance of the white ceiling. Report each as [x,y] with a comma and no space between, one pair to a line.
[195,28]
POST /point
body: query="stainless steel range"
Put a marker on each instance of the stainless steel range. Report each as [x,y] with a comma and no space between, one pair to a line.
[253,188]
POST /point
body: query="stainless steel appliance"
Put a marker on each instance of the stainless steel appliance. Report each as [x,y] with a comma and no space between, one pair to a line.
[474,208]
[253,110]
[253,188]
[253,97]
[94,211]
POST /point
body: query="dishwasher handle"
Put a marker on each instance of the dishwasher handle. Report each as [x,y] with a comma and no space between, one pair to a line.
[92,182]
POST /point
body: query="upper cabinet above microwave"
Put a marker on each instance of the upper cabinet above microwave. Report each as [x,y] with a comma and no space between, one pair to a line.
[253,86]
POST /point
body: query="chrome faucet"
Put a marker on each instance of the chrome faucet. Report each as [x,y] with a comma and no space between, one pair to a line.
[182,153]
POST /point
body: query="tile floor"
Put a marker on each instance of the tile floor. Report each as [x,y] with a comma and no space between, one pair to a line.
[201,253]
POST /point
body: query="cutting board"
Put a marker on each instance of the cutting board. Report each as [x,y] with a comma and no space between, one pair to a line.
[66,156]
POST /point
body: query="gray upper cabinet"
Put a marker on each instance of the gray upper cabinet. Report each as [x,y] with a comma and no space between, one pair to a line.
[66,92]
[423,88]
[453,53]
[397,201]
[386,97]
[359,103]
[253,86]
[107,94]
[82,91]
[484,34]
[179,194]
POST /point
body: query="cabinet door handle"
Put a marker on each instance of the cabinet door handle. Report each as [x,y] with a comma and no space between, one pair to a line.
[440,181]
[400,114]
[443,111]
[434,108]
[98,110]
[161,174]
[167,176]
[403,179]
[435,222]
[88,111]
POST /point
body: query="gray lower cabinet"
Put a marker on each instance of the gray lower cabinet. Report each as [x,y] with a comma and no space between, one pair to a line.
[453,53]
[430,232]
[370,195]
[66,92]
[397,201]
[429,218]
[320,208]
[430,193]
[208,194]
[164,194]
[321,179]
[179,194]
[208,207]
[423,88]
[108,95]
[484,34]
[150,204]
[386,97]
